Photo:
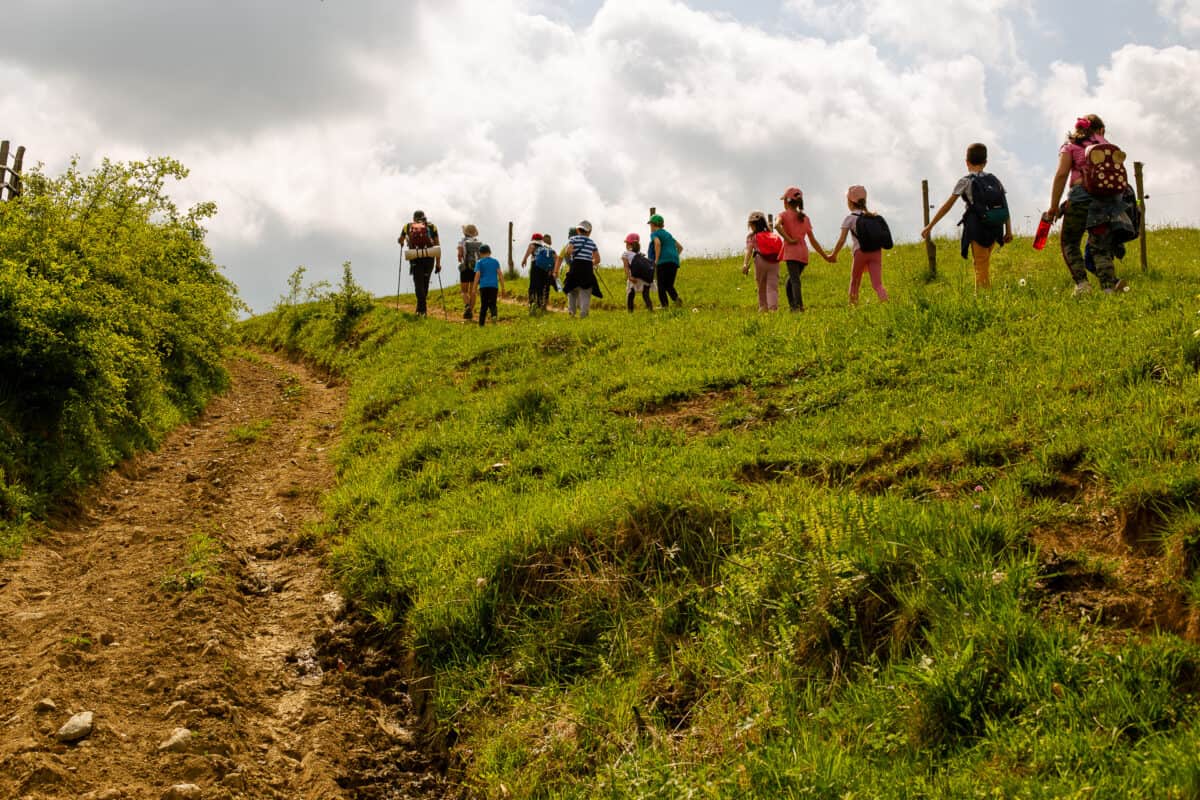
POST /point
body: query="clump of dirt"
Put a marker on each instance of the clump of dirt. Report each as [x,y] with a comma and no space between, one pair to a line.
[1092,572]
[188,593]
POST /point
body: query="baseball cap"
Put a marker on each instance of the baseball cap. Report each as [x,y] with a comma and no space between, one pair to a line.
[793,193]
[418,216]
[633,237]
[856,193]
[584,227]
[656,220]
[537,237]
[756,215]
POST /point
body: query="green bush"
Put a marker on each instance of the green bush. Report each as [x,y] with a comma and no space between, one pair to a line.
[113,317]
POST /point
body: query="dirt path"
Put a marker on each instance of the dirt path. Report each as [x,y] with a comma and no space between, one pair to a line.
[190,593]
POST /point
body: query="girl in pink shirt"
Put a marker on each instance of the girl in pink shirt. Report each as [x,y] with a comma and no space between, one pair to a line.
[795,227]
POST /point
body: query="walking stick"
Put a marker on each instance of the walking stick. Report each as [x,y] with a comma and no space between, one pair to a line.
[399,276]
[445,313]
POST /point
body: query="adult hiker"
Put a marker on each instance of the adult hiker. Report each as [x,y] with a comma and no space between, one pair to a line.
[1097,203]
[468,256]
[423,251]
[582,257]
[664,251]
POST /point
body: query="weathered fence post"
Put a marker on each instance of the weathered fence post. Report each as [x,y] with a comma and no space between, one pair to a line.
[18,162]
[3,169]
[1141,201]
[930,248]
[512,270]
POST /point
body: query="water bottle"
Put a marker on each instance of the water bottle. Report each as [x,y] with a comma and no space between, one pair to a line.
[1043,232]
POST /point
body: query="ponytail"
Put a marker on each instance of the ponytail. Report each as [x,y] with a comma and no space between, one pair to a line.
[1085,128]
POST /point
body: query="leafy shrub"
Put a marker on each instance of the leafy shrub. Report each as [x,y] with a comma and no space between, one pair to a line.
[113,317]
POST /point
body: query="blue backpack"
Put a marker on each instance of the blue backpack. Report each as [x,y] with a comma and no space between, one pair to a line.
[543,258]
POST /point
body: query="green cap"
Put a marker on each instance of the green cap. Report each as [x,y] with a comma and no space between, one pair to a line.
[656,220]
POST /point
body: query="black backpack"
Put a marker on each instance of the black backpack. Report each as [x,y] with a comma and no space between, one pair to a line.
[641,268]
[873,233]
[988,201]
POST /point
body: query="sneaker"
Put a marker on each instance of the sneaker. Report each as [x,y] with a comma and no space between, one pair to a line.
[1120,286]
[1083,287]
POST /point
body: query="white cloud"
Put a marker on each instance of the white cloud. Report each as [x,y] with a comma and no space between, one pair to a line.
[1183,13]
[923,28]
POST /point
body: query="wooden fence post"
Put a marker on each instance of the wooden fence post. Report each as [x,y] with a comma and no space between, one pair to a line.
[3,169]
[1141,201]
[930,248]
[512,270]
[18,161]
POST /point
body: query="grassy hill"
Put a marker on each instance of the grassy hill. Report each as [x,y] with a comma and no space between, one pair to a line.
[942,547]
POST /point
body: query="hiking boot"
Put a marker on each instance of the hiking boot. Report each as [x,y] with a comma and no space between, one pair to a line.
[1083,287]
[468,314]
[1120,286]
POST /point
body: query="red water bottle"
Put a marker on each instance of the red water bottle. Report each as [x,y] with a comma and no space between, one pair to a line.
[1043,232]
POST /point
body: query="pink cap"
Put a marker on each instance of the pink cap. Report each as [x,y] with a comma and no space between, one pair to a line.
[631,238]
[793,193]
[856,193]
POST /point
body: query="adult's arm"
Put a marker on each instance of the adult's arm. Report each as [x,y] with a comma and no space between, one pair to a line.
[1060,183]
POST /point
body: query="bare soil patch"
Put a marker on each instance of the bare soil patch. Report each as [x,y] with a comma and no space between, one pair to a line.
[189,592]
[1092,572]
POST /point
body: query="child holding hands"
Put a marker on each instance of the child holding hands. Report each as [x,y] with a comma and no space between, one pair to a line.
[870,262]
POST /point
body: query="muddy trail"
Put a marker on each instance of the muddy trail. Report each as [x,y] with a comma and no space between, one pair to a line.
[184,620]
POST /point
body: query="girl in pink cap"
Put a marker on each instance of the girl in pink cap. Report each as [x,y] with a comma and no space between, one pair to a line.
[795,227]
[869,262]
[633,283]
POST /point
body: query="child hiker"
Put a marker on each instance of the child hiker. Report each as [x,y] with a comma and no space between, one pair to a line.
[664,251]
[540,256]
[582,258]
[488,281]
[868,257]
[795,227]
[986,222]
[468,255]
[639,272]
[765,249]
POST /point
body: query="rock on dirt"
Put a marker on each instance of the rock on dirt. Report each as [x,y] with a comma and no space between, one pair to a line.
[77,728]
[45,705]
[183,791]
[178,742]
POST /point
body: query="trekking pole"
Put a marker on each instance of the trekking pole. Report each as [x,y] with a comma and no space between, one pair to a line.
[445,313]
[399,276]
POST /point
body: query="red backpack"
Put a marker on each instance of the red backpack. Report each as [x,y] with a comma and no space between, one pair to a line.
[1104,172]
[769,245]
[419,237]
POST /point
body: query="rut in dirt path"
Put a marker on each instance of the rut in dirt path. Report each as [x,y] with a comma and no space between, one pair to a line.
[182,610]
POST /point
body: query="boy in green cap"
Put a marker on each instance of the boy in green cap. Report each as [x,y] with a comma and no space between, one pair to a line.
[664,251]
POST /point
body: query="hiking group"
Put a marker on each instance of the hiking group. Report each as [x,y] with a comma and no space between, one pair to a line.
[1100,204]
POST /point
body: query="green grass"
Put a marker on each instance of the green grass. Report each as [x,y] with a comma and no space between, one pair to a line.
[200,564]
[250,432]
[713,553]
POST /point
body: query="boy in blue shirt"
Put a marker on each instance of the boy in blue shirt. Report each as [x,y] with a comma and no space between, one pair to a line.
[489,280]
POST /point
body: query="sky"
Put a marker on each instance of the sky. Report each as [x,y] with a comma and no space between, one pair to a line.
[318,126]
